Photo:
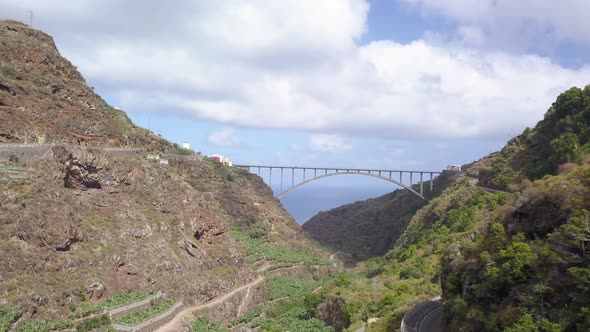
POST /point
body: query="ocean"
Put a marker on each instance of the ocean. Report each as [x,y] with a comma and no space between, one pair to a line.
[303,203]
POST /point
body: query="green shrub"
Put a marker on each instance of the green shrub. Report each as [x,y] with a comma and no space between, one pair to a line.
[33,325]
[8,72]
[258,233]
[502,174]
[155,308]
[527,324]
[258,249]
[278,287]
[248,317]
[296,315]
[86,309]
[125,298]
[60,324]
[294,325]
[8,316]
[566,148]
[93,323]
[460,219]
[204,325]
[516,259]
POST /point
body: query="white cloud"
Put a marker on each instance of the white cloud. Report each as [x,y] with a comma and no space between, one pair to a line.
[223,137]
[298,64]
[509,22]
[328,143]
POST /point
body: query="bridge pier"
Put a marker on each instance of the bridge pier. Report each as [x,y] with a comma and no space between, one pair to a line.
[431,182]
[421,185]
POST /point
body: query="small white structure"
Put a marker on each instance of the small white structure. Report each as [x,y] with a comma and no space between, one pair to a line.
[453,167]
[221,159]
[186,145]
[163,161]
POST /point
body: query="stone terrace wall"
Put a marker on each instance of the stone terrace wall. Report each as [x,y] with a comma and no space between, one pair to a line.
[227,310]
[154,323]
[133,307]
[27,152]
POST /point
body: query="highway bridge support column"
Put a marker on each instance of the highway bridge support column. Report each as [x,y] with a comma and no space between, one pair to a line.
[421,185]
[431,182]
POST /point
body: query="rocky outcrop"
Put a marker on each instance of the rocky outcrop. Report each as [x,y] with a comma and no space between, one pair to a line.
[95,291]
[207,232]
[333,313]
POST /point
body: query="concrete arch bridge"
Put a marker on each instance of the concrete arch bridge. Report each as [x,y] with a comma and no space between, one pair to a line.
[414,181]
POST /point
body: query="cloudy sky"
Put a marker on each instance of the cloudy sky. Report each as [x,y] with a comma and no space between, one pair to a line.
[380,83]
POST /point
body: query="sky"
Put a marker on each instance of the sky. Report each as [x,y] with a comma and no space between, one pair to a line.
[391,84]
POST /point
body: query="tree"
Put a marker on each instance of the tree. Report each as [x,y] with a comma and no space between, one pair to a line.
[502,174]
[566,148]
[569,102]
[516,258]
[574,236]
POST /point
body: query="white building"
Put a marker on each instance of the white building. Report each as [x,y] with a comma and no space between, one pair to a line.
[221,159]
[453,167]
[186,145]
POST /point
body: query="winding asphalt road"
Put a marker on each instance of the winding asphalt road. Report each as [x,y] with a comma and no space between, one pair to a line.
[431,323]
[424,317]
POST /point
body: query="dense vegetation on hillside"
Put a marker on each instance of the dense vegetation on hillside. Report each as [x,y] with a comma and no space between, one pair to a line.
[529,269]
[562,137]
[516,260]
[386,287]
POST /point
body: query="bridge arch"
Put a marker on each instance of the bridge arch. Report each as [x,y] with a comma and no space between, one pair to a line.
[349,173]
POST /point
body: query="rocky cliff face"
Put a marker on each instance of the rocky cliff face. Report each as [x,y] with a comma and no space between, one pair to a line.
[86,223]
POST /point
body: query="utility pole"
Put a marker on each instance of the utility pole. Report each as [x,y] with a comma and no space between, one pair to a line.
[31,18]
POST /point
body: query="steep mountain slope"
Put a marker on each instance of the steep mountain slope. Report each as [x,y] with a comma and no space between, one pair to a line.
[44,99]
[85,224]
[364,229]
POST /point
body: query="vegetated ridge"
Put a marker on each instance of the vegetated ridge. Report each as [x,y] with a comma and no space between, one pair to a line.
[513,260]
[369,228]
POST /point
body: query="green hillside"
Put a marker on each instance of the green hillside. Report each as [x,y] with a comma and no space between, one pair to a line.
[514,260]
